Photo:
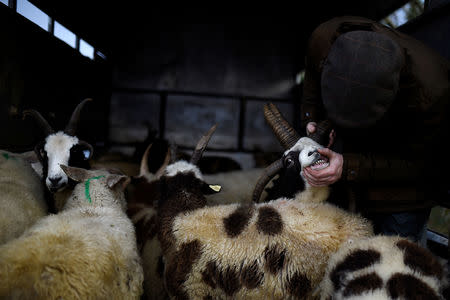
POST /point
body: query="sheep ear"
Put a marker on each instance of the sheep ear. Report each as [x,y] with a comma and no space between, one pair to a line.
[209,189]
[117,181]
[29,156]
[77,174]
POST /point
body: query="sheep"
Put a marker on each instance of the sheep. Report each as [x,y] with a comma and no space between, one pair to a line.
[22,200]
[61,147]
[237,187]
[86,251]
[288,168]
[384,267]
[276,250]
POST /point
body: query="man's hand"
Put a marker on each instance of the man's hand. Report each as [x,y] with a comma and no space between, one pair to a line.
[311,128]
[328,175]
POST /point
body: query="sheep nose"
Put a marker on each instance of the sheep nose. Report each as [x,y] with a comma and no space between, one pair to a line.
[55,180]
[312,152]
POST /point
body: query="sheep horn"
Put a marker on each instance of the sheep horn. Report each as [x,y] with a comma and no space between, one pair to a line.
[143,169]
[321,135]
[72,125]
[265,177]
[201,145]
[284,132]
[38,117]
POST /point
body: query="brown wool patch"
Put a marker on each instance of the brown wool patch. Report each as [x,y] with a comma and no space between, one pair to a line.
[420,259]
[356,260]
[237,221]
[146,230]
[228,281]
[180,266]
[160,267]
[251,277]
[209,274]
[405,286]
[269,221]
[365,283]
[446,292]
[274,259]
[298,285]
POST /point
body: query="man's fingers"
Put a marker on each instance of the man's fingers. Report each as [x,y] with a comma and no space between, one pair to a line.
[311,127]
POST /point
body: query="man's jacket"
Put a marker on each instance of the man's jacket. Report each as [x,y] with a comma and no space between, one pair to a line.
[401,163]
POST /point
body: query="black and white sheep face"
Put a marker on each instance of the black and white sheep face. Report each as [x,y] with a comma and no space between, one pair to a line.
[61,149]
[308,155]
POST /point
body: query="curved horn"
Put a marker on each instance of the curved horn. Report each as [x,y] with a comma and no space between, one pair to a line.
[40,119]
[284,132]
[201,145]
[265,177]
[72,125]
[143,169]
[321,135]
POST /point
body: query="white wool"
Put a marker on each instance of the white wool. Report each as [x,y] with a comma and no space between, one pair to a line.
[391,262]
[182,166]
[22,200]
[101,227]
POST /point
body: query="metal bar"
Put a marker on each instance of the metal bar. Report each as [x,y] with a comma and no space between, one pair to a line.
[182,147]
[200,94]
[242,112]
[51,25]
[162,114]
[12,4]
[77,43]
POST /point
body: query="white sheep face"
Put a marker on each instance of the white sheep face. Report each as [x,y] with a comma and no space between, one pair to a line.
[58,147]
[309,156]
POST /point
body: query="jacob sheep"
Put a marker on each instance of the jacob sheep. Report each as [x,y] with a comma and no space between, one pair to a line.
[237,187]
[384,267]
[60,148]
[274,250]
[86,251]
[22,200]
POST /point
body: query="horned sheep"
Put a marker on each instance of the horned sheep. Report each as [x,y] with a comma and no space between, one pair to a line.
[277,249]
[86,251]
[237,187]
[384,267]
[59,148]
[22,200]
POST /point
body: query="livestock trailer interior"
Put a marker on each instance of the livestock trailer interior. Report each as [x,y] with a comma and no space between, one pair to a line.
[171,72]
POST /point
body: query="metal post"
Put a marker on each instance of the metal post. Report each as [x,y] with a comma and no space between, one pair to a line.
[77,43]
[12,4]
[242,111]
[162,114]
[51,26]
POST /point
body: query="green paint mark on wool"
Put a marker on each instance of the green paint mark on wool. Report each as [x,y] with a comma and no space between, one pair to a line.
[86,187]
[7,156]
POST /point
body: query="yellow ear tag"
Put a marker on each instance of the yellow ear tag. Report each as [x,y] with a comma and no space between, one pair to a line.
[215,188]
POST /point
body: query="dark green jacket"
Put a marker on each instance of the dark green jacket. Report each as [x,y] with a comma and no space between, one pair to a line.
[401,163]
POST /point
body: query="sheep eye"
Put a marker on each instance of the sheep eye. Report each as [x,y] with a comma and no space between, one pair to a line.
[289,161]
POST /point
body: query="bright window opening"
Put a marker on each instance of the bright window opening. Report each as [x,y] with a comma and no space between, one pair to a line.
[405,13]
[4,2]
[65,35]
[86,49]
[33,14]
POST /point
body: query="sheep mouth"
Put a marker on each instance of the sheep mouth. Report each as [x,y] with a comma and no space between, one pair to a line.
[320,162]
